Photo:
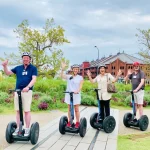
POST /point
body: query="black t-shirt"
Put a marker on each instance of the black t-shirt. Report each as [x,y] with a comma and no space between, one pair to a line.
[136,79]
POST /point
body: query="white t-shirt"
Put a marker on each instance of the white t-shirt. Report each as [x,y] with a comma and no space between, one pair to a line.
[102,84]
[72,86]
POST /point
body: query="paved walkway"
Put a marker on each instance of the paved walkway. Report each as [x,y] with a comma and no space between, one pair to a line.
[51,139]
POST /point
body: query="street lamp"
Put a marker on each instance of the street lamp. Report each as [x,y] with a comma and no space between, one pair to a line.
[97,50]
[98,57]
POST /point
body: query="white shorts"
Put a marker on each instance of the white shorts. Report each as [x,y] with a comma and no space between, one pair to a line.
[26,100]
[138,97]
[76,99]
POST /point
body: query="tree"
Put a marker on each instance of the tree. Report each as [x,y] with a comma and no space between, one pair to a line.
[144,39]
[41,45]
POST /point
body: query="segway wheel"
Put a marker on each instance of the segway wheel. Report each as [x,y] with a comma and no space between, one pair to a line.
[34,133]
[143,123]
[127,117]
[93,120]
[83,126]
[109,124]
[11,127]
[62,123]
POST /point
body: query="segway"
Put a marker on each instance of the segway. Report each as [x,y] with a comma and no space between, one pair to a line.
[128,118]
[34,130]
[64,120]
[108,124]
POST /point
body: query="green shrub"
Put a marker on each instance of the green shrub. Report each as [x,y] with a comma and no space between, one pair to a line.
[3,97]
[46,99]
[51,91]
[88,100]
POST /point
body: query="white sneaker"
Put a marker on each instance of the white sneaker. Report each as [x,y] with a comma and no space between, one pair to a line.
[16,131]
[27,132]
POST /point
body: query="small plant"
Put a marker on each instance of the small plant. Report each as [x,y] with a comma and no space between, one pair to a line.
[43,106]
[63,100]
[114,99]
[3,96]
[145,103]
[8,100]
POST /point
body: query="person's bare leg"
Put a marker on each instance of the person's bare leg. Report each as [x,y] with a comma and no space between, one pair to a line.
[136,108]
[17,118]
[69,113]
[27,119]
[140,109]
[77,113]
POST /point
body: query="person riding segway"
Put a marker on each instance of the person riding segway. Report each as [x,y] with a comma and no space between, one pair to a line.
[137,78]
[73,97]
[103,98]
[25,79]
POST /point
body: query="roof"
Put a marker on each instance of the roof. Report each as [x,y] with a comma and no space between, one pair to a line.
[122,56]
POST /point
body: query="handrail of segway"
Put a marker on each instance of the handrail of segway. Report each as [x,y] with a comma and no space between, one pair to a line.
[94,89]
[131,91]
[12,90]
[70,92]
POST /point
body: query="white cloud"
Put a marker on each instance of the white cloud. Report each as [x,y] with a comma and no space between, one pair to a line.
[108,19]
[8,42]
[8,38]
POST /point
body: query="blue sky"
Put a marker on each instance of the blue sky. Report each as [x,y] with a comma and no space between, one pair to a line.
[109,24]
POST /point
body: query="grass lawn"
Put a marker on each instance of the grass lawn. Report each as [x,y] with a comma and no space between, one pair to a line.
[125,108]
[10,110]
[7,109]
[134,142]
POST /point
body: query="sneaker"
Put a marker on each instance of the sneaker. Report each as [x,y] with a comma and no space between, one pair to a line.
[16,132]
[77,125]
[68,124]
[27,132]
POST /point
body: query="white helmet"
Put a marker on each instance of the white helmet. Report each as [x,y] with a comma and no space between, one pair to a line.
[102,65]
[26,54]
[75,66]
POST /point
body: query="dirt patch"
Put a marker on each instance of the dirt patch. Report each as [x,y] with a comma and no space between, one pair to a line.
[139,136]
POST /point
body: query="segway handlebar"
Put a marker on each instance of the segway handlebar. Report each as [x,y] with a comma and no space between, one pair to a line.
[14,90]
[70,92]
[95,89]
[131,91]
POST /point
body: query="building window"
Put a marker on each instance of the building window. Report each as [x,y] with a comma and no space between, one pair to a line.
[129,67]
[122,67]
[123,73]
[114,73]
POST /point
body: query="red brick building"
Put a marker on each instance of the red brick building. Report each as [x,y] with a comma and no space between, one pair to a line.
[121,61]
